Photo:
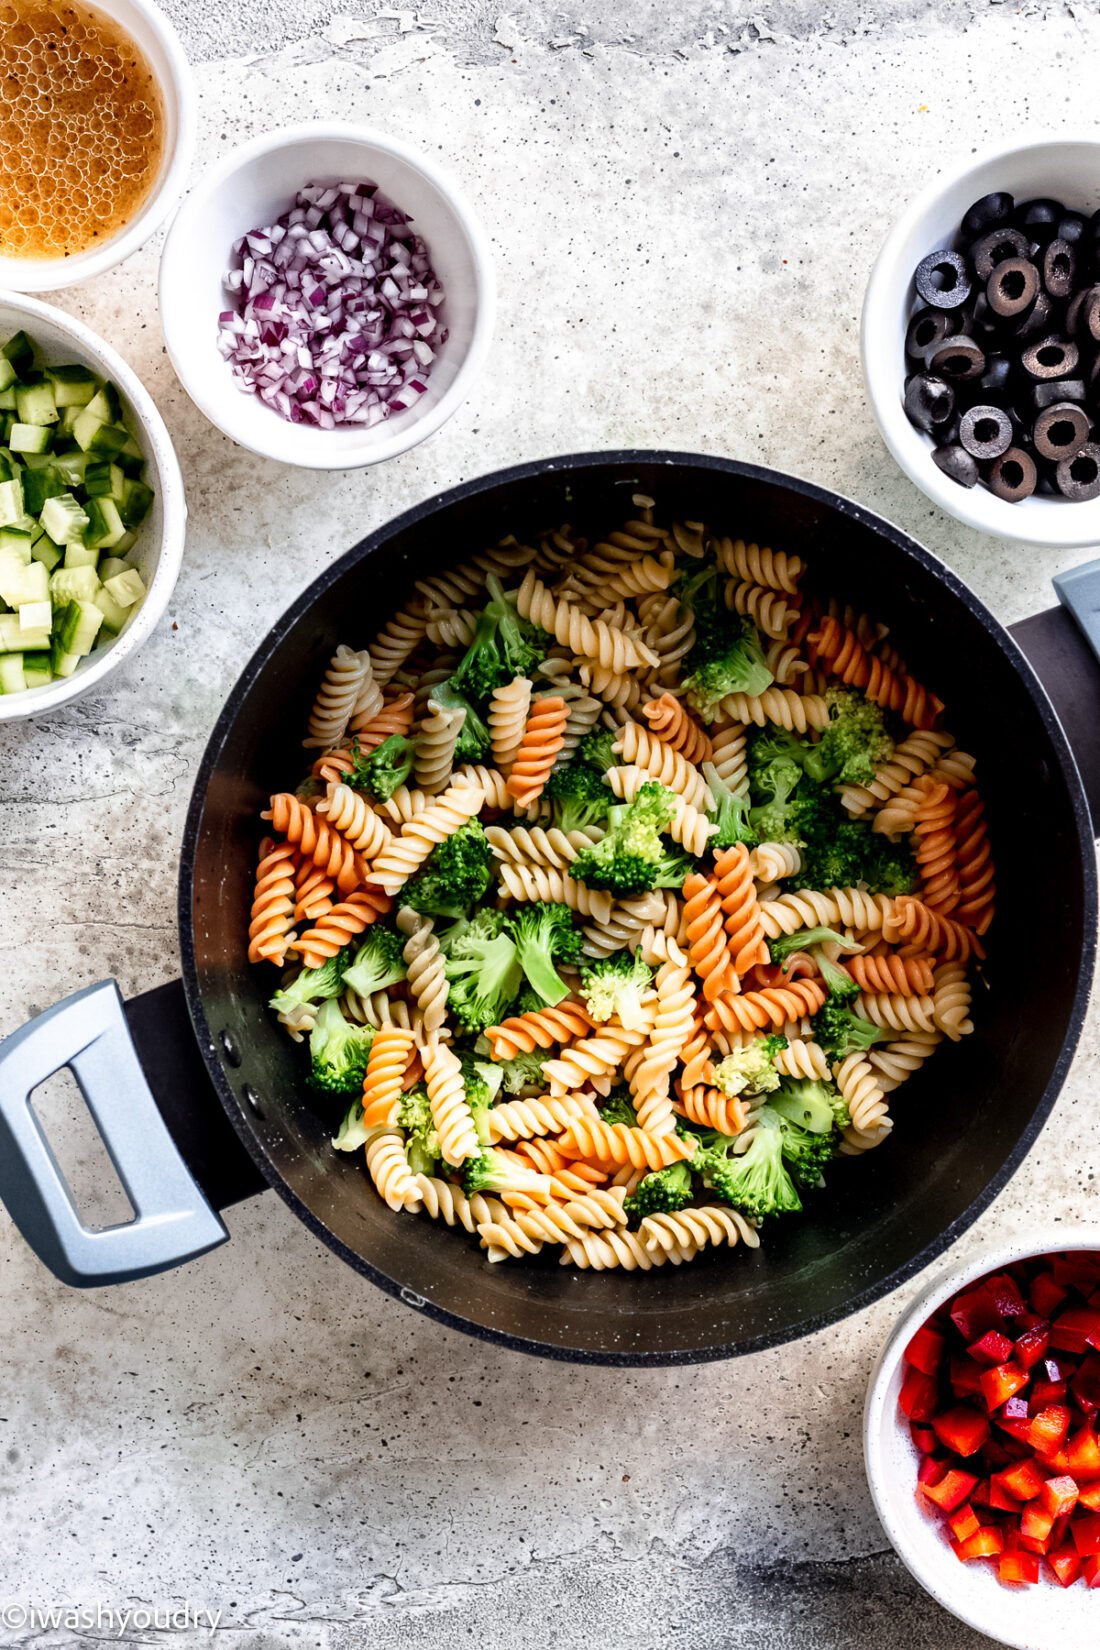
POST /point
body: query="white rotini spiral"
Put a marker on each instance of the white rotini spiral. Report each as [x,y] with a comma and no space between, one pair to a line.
[895,1012]
[507,719]
[774,568]
[784,707]
[651,1077]
[389,1169]
[426,974]
[534,882]
[396,640]
[640,748]
[827,908]
[769,611]
[405,804]
[617,691]
[894,1062]
[588,638]
[628,921]
[336,698]
[690,1230]
[773,860]
[457,584]
[549,847]
[915,754]
[951,1001]
[451,1114]
[689,827]
[592,1061]
[521,1119]
[866,1102]
[788,667]
[351,815]
[420,834]
[377,1009]
[669,632]
[803,1059]
[434,747]
[602,1251]
[451,628]
[730,761]
[524,1231]
[443,1201]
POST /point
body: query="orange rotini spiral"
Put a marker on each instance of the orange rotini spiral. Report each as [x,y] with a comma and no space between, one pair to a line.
[271,930]
[737,890]
[396,716]
[548,1158]
[340,925]
[540,1028]
[543,738]
[383,1080]
[847,658]
[355,819]
[908,976]
[934,830]
[317,840]
[674,726]
[619,1143]
[977,889]
[313,892]
[712,1109]
[705,935]
[773,1006]
[919,929]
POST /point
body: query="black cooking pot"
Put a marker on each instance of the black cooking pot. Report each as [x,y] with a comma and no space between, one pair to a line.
[963,1125]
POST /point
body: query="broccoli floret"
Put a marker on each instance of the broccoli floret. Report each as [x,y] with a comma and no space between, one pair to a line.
[421,1139]
[854,744]
[491,1171]
[455,876]
[378,962]
[595,751]
[757,1180]
[523,1071]
[473,735]
[727,656]
[845,853]
[619,1108]
[579,797]
[840,1032]
[614,986]
[805,1151]
[750,1069]
[313,985]
[663,1192]
[630,857]
[546,935]
[483,972]
[481,1082]
[811,1104]
[780,949]
[352,1135]
[379,772]
[775,759]
[793,809]
[842,987]
[730,812]
[337,1051]
[504,646]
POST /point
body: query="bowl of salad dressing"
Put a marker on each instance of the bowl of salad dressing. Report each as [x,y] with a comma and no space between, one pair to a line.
[96,133]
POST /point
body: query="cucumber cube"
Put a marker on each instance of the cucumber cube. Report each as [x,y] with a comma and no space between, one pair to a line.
[137,501]
[35,615]
[38,486]
[15,640]
[106,404]
[72,386]
[73,584]
[110,565]
[36,669]
[63,518]
[104,524]
[11,501]
[64,664]
[126,588]
[18,539]
[71,467]
[35,404]
[94,435]
[12,571]
[7,397]
[77,625]
[46,551]
[7,376]
[105,481]
[20,352]
[35,585]
[12,678]
[30,438]
[114,616]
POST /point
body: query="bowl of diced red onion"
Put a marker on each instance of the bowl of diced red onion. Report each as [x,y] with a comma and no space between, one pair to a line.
[327,296]
[982,1439]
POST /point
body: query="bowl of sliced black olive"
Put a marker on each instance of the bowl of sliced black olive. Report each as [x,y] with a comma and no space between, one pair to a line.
[981,342]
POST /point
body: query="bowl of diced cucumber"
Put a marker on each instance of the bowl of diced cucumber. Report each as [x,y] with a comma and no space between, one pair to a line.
[92,511]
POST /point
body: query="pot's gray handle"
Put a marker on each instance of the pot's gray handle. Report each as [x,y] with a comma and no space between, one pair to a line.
[173,1222]
[1079,590]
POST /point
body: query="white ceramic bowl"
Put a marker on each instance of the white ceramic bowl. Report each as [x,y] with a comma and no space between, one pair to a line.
[158,552]
[1043,1617]
[156,37]
[252,187]
[1065,167]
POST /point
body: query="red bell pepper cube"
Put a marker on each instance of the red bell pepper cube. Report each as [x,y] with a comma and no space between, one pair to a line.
[924,1438]
[1024,1481]
[963,1523]
[988,1543]
[931,1469]
[919,1396]
[1032,1344]
[1046,1294]
[1059,1533]
[1082,1454]
[1086,1534]
[991,1348]
[998,1385]
[1050,1429]
[980,1495]
[965,1377]
[1036,1522]
[1088,1495]
[1059,1495]
[952,1490]
[974,1312]
[1077,1270]
[1076,1329]
[1086,1384]
[1066,1564]
[1047,1392]
[961,1429]
[925,1350]
[1011,1533]
[1090,1571]
[1004,1291]
[999,1498]
[1018,1427]
[1021,1568]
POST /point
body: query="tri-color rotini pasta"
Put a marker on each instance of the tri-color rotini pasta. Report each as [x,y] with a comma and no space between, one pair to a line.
[627,880]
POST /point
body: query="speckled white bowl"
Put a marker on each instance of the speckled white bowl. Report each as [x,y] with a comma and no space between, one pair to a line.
[158,552]
[253,186]
[1043,1617]
[1067,167]
[148,27]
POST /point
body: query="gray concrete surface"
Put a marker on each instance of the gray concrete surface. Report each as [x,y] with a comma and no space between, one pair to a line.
[683,210]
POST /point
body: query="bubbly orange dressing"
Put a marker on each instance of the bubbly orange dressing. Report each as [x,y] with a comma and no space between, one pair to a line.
[81,128]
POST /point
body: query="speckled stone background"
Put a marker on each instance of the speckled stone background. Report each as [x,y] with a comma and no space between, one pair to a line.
[683,210]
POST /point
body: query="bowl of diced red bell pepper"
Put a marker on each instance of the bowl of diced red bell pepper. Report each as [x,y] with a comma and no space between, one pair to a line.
[982,1441]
